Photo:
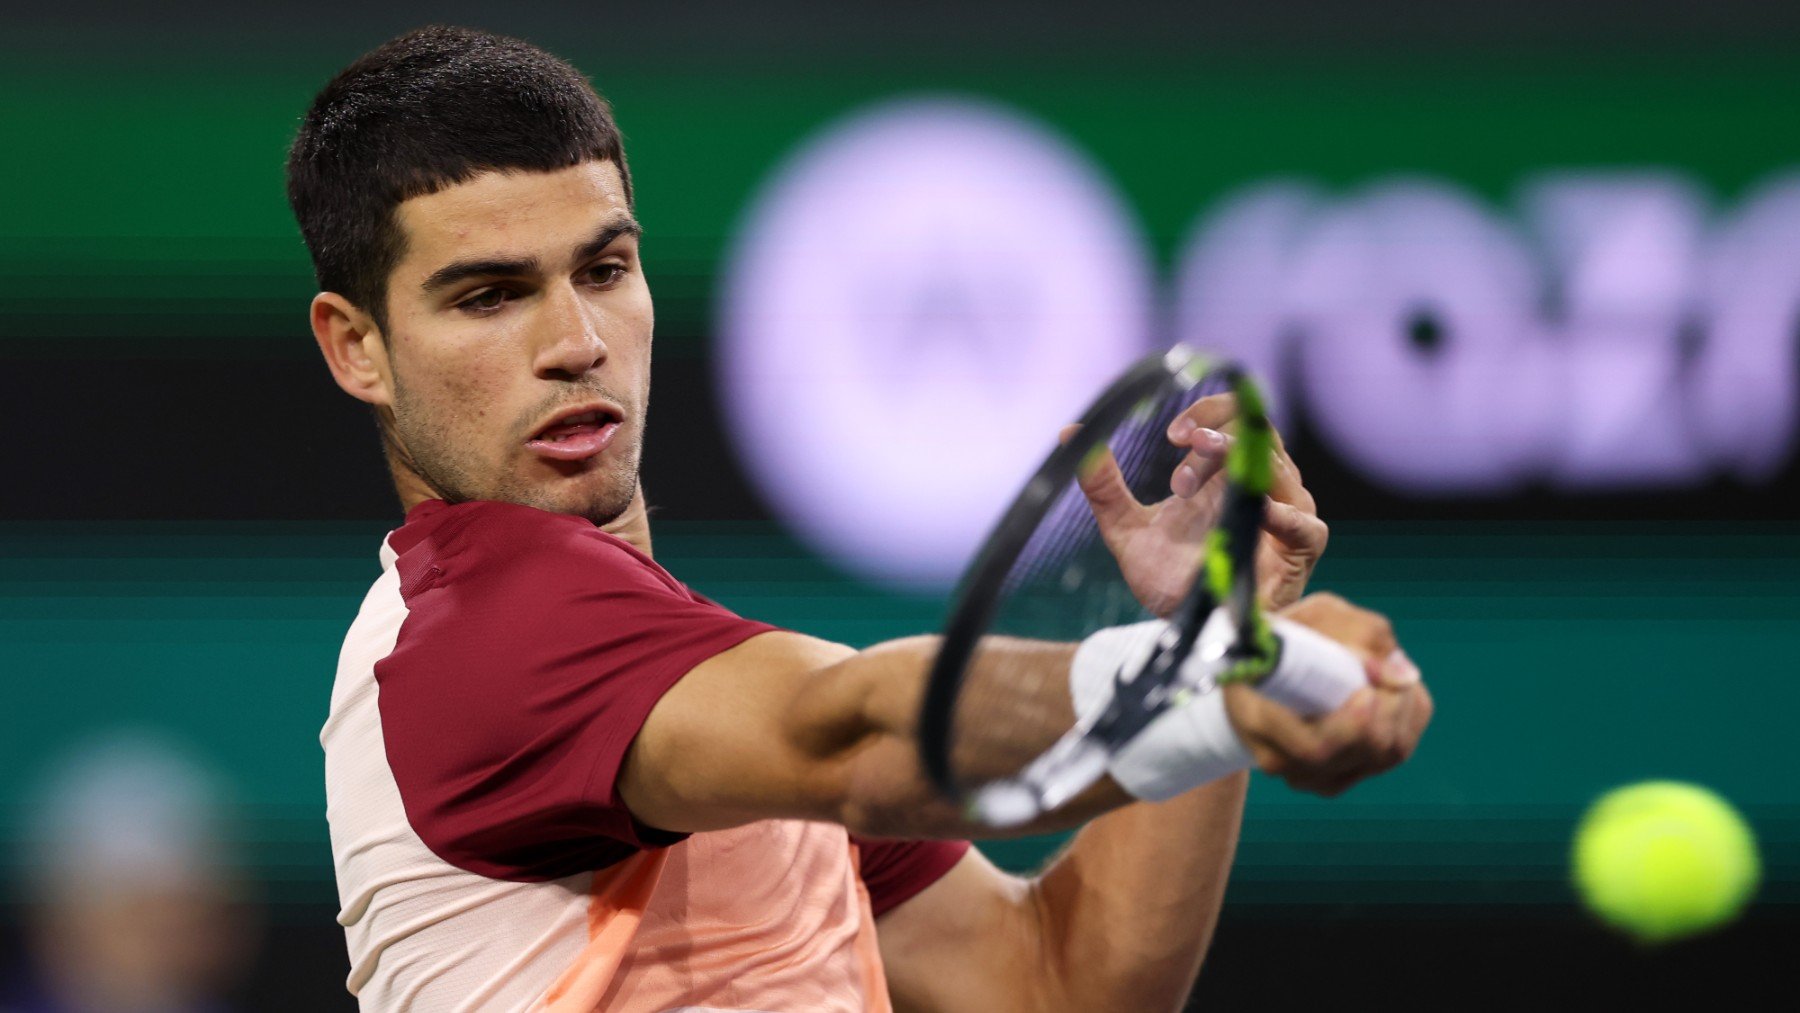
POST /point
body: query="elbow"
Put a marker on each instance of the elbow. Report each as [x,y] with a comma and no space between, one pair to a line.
[854,727]
[881,791]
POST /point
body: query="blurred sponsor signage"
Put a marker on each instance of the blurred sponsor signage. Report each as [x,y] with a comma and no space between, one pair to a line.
[916,303]
[925,291]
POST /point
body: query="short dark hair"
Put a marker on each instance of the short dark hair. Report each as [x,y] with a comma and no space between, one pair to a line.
[425,111]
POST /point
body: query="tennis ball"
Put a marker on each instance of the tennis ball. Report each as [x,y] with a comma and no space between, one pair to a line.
[1662,859]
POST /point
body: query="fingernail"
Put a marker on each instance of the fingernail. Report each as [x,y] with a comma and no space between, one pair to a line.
[1399,670]
[1181,428]
[1211,439]
[1186,482]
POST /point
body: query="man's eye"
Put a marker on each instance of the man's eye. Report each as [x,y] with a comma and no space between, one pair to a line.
[489,300]
[606,274]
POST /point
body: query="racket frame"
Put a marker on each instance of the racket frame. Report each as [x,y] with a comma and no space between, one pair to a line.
[1136,701]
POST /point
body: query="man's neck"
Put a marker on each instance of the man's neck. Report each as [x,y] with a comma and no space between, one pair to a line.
[633,525]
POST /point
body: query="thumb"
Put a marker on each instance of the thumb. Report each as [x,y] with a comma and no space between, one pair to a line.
[1397,671]
[1102,482]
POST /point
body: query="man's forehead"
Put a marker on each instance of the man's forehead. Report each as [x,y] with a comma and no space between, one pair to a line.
[510,211]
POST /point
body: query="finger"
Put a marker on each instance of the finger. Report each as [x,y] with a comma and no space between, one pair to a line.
[1212,412]
[1357,746]
[1394,733]
[1353,735]
[1205,460]
[1378,638]
[1102,482]
[1218,412]
[1386,735]
[1400,748]
[1281,741]
[1285,484]
[1418,718]
[1286,557]
[1370,634]
[1397,671]
[1295,528]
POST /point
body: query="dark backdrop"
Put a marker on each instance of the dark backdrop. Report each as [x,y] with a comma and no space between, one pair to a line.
[189,508]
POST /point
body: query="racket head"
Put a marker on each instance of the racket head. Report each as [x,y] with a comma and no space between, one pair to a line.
[1046,576]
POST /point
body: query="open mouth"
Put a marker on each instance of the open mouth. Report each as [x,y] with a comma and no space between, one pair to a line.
[576,435]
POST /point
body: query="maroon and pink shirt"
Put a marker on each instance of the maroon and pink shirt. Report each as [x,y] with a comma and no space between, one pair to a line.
[486,696]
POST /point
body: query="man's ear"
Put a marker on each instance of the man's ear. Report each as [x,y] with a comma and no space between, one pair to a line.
[354,348]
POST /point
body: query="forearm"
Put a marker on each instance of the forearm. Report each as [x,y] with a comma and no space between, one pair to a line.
[785,726]
[860,718]
[1126,913]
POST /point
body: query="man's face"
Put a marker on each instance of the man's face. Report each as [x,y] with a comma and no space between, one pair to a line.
[518,340]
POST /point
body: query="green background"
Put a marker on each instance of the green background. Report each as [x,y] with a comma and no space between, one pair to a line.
[151,203]
[1565,658]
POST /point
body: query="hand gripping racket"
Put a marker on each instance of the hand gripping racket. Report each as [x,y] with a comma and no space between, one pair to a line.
[998,733]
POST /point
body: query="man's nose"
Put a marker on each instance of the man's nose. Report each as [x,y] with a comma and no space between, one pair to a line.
[570,334]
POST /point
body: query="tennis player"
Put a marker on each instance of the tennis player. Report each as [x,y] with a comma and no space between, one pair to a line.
[557,778]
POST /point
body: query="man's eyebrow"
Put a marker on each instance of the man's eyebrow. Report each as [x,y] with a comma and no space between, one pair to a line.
[462,270]
[607,235]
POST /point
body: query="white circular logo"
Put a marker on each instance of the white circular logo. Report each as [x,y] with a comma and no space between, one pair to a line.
[916,303]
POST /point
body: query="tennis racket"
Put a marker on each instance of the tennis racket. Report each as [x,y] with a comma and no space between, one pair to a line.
[998,733]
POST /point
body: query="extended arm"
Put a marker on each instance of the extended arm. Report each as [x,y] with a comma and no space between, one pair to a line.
[786,726]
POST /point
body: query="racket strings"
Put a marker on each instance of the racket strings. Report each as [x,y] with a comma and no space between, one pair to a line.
[1140,449]
[1064,585]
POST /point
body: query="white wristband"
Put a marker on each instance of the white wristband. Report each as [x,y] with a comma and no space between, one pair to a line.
[1194,743]
[1105,654]
[1184,747]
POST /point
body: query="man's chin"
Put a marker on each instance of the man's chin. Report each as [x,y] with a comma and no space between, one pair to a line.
[599,491]
[599,506]
[600,515]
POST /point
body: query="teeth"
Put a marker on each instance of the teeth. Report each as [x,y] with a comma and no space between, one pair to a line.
[594,418]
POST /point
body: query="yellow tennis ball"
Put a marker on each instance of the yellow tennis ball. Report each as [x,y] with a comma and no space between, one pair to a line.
[1662,859]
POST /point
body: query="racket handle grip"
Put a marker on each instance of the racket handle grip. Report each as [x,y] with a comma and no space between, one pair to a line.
[1314,674]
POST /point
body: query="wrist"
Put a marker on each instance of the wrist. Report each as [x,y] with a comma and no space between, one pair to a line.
[1189,744]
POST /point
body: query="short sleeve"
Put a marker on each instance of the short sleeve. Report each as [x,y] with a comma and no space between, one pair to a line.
[533,649]
[895,871]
